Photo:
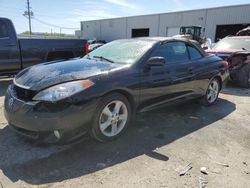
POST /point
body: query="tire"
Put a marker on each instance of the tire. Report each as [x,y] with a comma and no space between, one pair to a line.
[244,76]
[212,93]
[111,121]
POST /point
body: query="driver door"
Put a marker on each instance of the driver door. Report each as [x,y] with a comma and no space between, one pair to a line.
[174,80]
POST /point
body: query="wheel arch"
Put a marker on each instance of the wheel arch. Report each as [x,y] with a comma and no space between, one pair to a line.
[219,79]
[126,94]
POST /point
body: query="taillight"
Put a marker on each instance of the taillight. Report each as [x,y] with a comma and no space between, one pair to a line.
[225,63]
[86,48]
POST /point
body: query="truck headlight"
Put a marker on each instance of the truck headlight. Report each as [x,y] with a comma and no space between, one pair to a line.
[62,91]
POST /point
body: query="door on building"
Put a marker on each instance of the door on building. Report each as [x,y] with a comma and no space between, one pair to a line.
[172,31]
[144,32]
[226,30]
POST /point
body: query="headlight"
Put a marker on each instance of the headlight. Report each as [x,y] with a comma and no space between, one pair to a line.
[62,91]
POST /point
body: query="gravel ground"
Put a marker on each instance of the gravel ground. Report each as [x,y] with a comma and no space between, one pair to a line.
[151,154]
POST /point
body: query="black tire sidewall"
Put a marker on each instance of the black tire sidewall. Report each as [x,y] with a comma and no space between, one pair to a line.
[95,129]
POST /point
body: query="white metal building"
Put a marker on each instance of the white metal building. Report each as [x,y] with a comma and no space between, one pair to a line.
[218,23]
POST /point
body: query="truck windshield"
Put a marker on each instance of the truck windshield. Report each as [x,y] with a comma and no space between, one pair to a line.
[122,51]
[187,30]
[233,43]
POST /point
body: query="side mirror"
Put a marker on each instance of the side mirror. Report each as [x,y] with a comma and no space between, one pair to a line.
[156,61]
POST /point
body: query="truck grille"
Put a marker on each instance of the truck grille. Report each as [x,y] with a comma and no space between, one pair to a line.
[23,94]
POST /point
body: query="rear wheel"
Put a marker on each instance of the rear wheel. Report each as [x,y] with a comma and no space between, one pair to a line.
[112,117]
[212,93]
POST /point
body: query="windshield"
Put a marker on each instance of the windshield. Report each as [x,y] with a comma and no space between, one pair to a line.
[122,51]
[233,44]
[187,30]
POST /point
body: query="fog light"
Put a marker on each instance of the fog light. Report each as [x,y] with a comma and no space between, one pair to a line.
[57,134]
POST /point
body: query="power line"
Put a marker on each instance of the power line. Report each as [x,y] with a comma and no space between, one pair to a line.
[52,25]
[4,6]
[30,15]
[54,13]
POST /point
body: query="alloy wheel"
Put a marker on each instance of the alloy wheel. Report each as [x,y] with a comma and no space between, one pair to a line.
[213,91]
[113,118]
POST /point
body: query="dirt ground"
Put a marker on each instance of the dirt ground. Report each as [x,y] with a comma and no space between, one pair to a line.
[151,154]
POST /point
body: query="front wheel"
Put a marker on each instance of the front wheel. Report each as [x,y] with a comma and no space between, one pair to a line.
[212,93]
[112,117]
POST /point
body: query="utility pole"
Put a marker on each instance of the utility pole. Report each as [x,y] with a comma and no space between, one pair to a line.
[28,4]
[29,14]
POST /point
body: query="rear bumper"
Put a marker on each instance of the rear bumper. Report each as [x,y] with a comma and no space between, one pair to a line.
[24,117]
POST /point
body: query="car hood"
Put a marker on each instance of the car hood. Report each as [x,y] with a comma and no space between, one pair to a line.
[48,74]
[224,54]
[222,51]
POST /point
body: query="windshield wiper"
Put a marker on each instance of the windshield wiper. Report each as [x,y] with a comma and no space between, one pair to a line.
[104,58]
[88,57]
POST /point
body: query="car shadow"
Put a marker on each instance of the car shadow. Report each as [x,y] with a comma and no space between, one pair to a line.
[4,83]
[234,89]
[151,130]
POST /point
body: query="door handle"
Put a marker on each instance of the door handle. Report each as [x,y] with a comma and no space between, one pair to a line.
[190,69]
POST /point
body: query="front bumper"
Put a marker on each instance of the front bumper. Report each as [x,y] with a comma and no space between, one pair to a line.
[71,121]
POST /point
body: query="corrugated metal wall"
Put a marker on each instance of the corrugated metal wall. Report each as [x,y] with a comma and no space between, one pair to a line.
[139,22]
[224,16]
[111,29]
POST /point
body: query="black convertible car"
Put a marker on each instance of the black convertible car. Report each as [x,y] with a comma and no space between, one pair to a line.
[100,93]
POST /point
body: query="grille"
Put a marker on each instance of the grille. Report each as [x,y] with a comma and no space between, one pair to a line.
[23,94]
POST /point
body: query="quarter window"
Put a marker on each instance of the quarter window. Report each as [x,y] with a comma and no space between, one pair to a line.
[173,52]
[194,53]
[3,30]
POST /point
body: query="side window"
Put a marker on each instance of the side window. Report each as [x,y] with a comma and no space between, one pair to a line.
[194,53]
[173,52]
[3,30]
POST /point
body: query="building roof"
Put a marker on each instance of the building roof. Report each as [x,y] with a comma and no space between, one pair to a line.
[171,12]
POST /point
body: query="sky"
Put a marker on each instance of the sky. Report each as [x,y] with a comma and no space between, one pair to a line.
[67,14]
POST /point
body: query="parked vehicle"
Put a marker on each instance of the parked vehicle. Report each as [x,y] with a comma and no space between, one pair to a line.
[192,33]
[17,54]
[195,33]
[235,50]
[94,41]
[94,46]
[244,32]
[100,93]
